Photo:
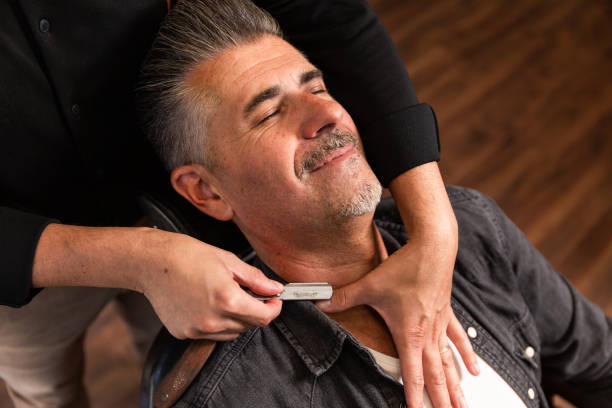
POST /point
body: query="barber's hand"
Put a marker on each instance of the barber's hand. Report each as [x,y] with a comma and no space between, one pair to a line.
[411,291]
[194,289]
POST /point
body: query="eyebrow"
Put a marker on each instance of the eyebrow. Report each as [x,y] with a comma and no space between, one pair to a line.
[310,75]
[261,97]
[275,91]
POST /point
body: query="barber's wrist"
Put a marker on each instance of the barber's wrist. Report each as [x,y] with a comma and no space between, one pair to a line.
[444,232]
[154,257]
[423,203]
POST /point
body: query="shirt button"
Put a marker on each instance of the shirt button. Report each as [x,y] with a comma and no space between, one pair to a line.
[76,110]
[529,352]
[44,25]
[471,332]
[531,393]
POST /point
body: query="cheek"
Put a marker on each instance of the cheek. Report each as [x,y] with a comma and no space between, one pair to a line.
[272,158]
[266,172]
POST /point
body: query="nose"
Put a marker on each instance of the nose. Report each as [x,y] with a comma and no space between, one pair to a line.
[320,115]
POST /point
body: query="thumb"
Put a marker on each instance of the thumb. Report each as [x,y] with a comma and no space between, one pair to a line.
[254,279]
[343,298]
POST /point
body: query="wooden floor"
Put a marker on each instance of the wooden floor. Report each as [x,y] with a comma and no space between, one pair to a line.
[523,96]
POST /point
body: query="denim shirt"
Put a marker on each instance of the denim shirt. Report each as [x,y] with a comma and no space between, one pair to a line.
[523,319]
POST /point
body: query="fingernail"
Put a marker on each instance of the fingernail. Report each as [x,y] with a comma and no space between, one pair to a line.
[463,402]
[278,286]
[476,368]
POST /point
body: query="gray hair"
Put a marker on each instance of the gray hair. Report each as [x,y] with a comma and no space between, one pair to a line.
[172,113]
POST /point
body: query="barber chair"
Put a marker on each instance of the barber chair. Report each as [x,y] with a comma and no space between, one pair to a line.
[170,212]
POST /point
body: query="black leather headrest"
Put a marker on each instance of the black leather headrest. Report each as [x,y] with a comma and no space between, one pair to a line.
[171,212]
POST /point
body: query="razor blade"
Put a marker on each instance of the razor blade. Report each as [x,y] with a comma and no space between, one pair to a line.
[301,291]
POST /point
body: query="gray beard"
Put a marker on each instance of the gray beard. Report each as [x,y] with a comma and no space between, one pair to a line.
[364,201]
[369,191]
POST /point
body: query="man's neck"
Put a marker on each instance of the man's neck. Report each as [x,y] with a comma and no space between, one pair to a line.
[341,255]
[344,259]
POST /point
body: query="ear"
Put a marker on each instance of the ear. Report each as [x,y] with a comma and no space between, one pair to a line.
[198,186]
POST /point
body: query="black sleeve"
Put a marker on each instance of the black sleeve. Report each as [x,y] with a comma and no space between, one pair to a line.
[365,73]
[19,235]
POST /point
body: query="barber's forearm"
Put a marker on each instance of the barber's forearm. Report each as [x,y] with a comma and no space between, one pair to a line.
[69,255]
[191,285]
[423,203]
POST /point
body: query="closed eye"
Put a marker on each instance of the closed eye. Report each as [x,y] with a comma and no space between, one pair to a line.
[276,112]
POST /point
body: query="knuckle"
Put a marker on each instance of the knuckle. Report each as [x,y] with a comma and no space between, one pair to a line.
[457,390]
[257,273]
[447,361]
[210,326]
[416,336]
[191,333]
[179,335]
[439,326]
[341,299]
[425,318]
[227,302]
[417,381]
[438,379]
[264,321]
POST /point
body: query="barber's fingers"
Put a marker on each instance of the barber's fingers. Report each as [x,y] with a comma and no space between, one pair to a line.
[410,350]
[460,339]
[224,328]
[346,297]
[237,304]
[452,374]
[233,324]
[252,277]
[435,376]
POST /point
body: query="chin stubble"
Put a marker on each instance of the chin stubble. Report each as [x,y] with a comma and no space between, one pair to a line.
[369,191]
[364,201]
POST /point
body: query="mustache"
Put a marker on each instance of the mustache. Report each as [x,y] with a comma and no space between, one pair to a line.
[326,144]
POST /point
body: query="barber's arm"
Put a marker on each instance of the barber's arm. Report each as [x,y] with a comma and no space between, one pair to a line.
[193,287]
[411,290]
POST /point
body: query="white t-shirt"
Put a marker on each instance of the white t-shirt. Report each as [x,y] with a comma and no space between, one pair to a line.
[486,390]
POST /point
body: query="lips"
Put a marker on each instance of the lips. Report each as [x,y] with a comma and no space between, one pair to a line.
[331,147]
[333,155]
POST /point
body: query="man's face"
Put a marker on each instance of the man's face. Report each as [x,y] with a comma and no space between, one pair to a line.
[288,152]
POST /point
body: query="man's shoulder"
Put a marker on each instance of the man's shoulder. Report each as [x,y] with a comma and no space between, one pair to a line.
[291,347]
[473,209]
[481,222]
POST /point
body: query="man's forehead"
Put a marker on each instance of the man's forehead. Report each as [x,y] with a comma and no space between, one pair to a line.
[247,69]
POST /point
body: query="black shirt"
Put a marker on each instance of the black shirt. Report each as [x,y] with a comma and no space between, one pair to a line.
[71,148]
